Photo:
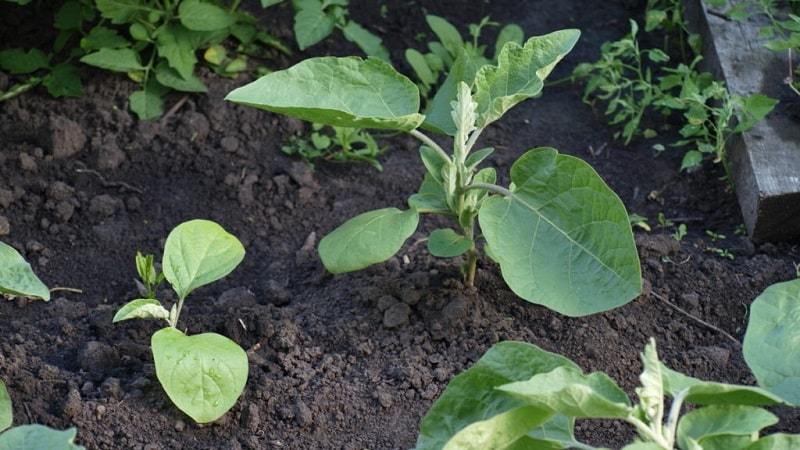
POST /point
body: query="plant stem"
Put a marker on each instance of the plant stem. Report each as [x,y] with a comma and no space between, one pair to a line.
[491,188]
[429,142]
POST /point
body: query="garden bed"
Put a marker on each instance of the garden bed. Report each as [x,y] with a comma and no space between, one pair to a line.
[336,362]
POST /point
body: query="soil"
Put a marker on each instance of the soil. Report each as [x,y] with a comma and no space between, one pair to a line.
[336,362]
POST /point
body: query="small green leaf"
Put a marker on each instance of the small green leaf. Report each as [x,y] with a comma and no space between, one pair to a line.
[141,308]
[63,81]
[471,396]
[17,277]
[203,374]
[16,61]
[509,33]
[117,60]
[446,243]
[311,23]
[170,78]
[121,11]
[346,92]
[146,104]
[39,436]
[519,74]
[772,342]
[477,156]
[420,66]
[692,158]
[367,239]
[200,16]
[369,43]
[199,252]
[562,238]
[103,37]
[722,422]
[430,197]
[174,45]
[447,33]
[69,16]
[6,411]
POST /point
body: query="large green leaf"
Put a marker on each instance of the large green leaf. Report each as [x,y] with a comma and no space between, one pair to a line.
[346,92]
[17,277]
[562,238]
[6,411]
[777,441]
[772,341]
[519,74]
[367,239]
[18,61]
[37,436]
[471,396]
[198,252]
[202,374]
[722,426]
[568,391]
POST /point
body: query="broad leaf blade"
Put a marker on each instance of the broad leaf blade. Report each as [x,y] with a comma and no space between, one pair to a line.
[470,397]
[367,239]
[438,115]
[772,342]
[568,391]
[198,252]
[17,277]
[345,92]
[311,23]
[777,441]
[563,238]
[519,74]
[202,374]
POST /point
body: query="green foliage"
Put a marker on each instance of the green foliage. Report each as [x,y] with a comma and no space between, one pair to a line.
[202,374]
[772,341]
[582,236]
[520,396]
[154,43]
[17,277]
[634,82]
[26,437]
[429,68]
[347,144]
[315,20]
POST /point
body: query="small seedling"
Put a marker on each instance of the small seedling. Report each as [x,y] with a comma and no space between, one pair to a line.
[347,144]
[680,233]
[202,374]
[520,396]
[557,231]
[639,221]
[715,236]
[315,20]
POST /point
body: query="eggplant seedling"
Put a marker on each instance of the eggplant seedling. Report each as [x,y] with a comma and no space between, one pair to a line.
[560,235]
[202,374]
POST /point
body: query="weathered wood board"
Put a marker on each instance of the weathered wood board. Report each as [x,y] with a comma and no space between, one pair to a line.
[765,161]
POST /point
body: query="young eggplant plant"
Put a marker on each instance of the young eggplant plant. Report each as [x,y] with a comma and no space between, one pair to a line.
[203,374]
[559,234]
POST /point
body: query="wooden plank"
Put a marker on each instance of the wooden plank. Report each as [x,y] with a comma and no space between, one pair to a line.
[765,161]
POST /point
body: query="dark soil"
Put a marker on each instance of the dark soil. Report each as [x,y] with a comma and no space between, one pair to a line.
[352,361]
